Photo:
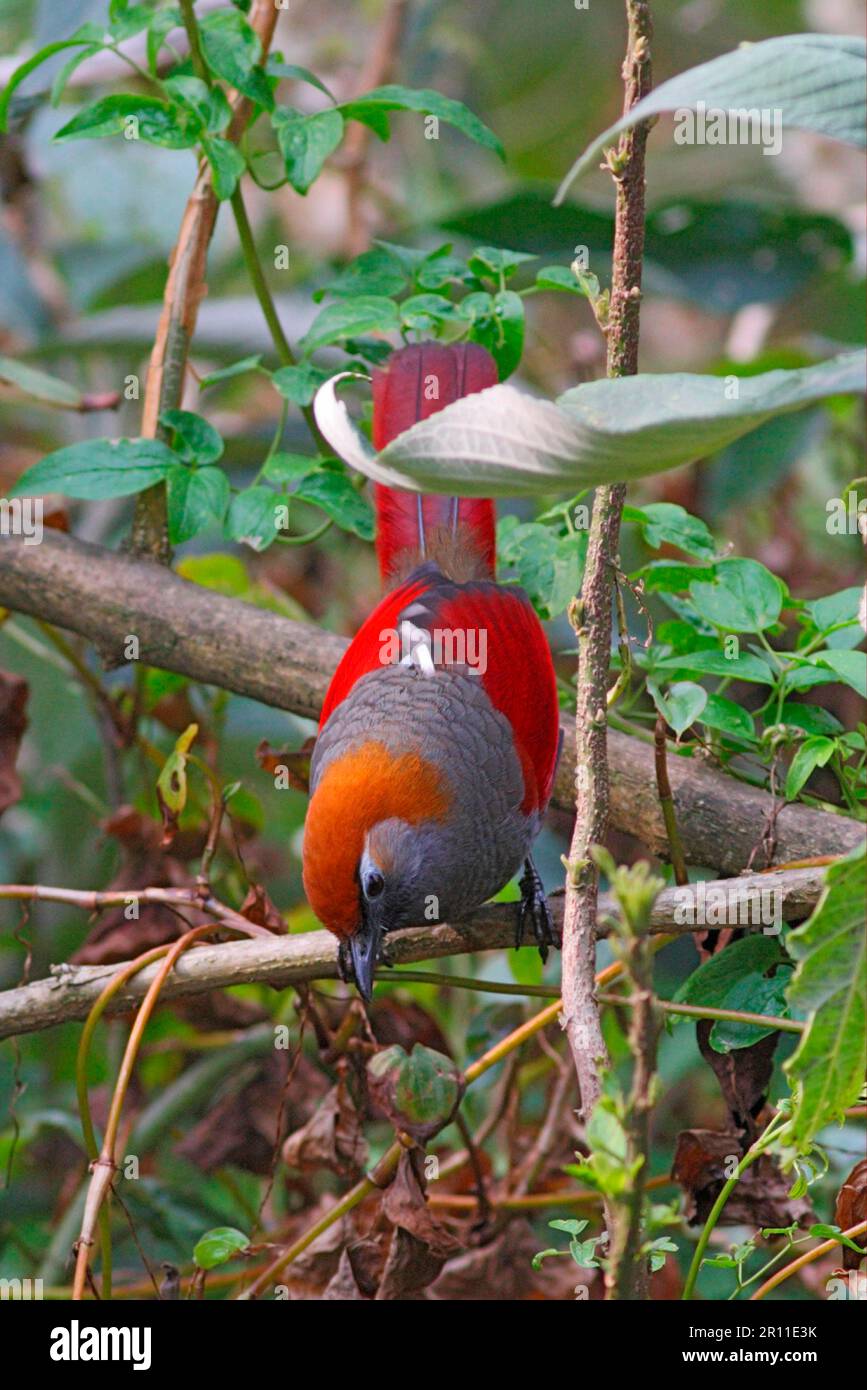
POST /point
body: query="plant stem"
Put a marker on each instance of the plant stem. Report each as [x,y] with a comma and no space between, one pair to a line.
[807,1258]
[591,614]
[749,1158]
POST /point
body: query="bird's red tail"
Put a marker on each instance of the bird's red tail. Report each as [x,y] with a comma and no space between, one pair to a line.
[415,383]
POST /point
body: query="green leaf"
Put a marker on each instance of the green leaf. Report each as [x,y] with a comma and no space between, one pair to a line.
[194,437]
[373,110]
[377,271]
[728,717]
[196,498]
[813,719]
[232,50]
[39,386]
[498,324]
[744,596]
[208,104]
[548,567]
[841,607]
[813,753]
[218,1246]
[667,576]
[227,165]
[287,468]
[559,277]
[58,86]
[502,442]
[681,705]
[829,987]
[816,81]
[493,262]
[160,27]
[299,384]
[334,493]
[99,468]
[306,142]
[754,995]
[349,319]
[425,312]
[86,35]
[848,667]
[253,517]
[666,523]
[738,972]
[744,667]
[275,67]
[244,364]
[134,118]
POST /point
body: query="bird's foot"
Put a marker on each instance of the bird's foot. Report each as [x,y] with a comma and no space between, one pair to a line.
[385,956]
[534,908]
[345,968]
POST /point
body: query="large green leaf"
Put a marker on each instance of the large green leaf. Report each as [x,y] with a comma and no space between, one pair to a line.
[817,82]
[134,118]
[98,468]
[232,50]
[373,109]
[830,986]
[502,442]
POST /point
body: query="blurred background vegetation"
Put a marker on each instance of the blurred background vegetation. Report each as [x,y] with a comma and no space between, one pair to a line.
[751,263]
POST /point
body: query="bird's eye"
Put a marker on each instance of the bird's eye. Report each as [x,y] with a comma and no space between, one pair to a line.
[373,883]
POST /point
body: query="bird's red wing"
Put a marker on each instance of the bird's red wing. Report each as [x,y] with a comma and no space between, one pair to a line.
[365,652]
[518,674]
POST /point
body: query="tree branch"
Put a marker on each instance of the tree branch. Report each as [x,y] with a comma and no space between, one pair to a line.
[287,960]
[107,596]
[591,613]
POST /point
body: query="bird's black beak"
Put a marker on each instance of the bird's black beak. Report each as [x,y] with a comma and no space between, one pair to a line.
[364,948]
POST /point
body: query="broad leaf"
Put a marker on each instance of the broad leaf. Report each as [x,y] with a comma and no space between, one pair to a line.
[373,109]
[350,319]
[817,82]
[98,468]
[227,165]
[253,517]
[334,493]
[813,753]
[196,498]
[743,597]
[306,142]
[133,118]
[232,50]
[681,705]
[830,986]
[502,442]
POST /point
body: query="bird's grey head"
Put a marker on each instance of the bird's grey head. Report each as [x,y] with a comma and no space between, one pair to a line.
[397,888]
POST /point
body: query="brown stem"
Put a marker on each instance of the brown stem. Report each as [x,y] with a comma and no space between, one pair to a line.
[591,614]
[184,291]
[666,801]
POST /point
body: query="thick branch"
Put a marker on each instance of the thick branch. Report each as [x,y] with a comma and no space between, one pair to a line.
[285,960]
[107,596]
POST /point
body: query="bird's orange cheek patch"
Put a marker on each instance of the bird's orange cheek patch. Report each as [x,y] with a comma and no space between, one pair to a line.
[367,785]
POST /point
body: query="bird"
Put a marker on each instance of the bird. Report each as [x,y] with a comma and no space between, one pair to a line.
[439,735]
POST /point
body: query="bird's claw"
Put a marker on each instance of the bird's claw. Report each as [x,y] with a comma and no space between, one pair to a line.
[534,908]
